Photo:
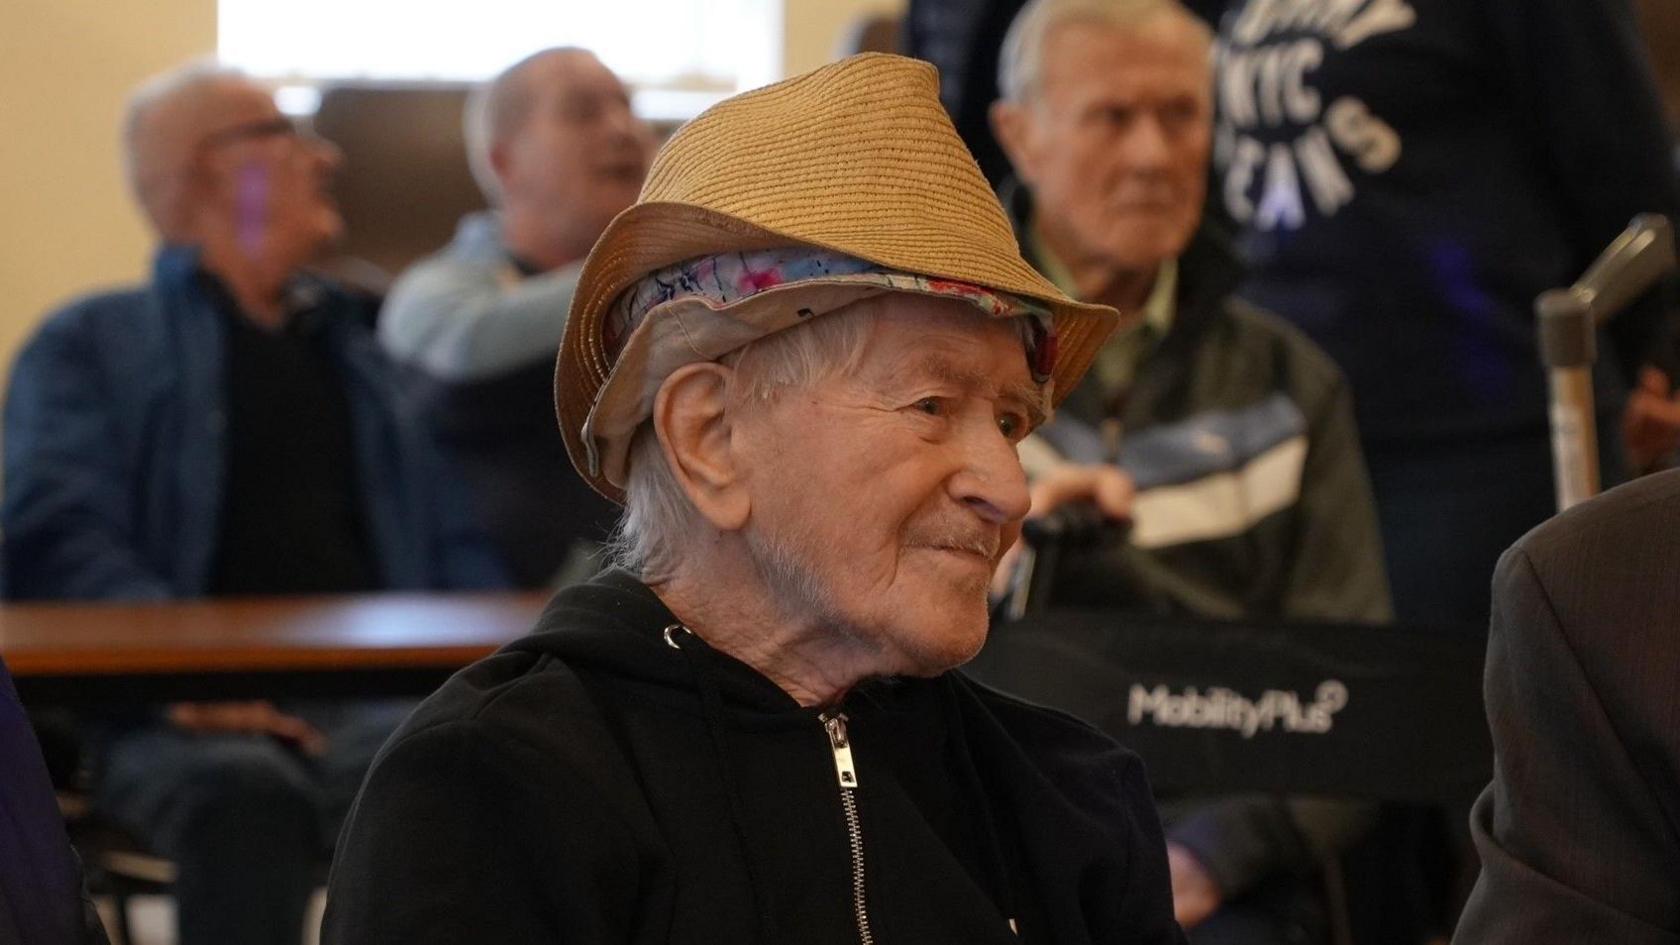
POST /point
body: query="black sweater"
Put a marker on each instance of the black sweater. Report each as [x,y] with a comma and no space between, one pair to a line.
[1412,173]
[592,784]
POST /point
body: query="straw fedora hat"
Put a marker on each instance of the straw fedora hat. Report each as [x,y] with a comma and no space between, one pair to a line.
[857,157]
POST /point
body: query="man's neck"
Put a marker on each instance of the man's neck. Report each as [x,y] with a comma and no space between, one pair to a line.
[1094,278]
[258,291]
[530,238]
[813,664]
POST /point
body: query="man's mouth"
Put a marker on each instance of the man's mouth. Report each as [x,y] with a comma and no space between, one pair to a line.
[1152,206]
[980,548]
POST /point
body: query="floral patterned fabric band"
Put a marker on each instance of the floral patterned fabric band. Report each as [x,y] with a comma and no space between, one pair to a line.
[730,277]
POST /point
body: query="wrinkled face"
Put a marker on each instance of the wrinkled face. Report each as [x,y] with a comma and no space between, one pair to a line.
[580,156]
[883,498]
[270,180]
[1115,140]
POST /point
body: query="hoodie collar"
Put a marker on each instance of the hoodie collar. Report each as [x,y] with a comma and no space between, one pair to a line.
[617,623]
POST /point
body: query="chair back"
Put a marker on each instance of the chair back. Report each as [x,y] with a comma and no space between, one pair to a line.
[405,182]
[1347,710]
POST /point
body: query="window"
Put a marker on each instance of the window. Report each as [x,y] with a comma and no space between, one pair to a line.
[678,54]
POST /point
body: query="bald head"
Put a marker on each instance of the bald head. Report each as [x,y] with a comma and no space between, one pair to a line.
[556,149]
[497,110]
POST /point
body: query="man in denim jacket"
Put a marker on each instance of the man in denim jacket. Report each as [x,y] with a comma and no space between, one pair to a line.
[228,428]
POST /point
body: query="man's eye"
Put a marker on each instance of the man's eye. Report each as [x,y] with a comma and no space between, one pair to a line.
[1179,114]
[1117,117]
[1012,426]
[932,406]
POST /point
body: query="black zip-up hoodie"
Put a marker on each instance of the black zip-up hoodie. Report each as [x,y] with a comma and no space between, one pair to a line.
[596,782]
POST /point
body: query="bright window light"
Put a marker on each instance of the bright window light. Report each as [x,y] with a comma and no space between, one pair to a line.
[693,46]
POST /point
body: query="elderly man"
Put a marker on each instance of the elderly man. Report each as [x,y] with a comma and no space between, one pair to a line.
[1408,175]
[804,360]
[228,428]
[1251,496]
[558,153]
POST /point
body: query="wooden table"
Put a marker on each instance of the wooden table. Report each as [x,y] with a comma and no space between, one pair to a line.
[386,644]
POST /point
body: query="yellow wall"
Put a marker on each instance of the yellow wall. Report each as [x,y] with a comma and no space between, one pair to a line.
[66,223]
[814,27]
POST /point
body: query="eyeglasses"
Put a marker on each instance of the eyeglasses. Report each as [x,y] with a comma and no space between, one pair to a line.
[251,131]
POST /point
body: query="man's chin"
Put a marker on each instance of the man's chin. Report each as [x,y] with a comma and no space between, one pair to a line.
[327,236]
[333,229]
[946,641]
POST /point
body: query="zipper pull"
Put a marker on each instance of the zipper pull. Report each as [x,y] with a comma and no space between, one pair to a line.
[835,725]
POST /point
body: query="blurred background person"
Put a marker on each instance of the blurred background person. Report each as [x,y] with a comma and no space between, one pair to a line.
[963,38]
[558,153]
[1107,118]
[229,428]
[1409,175]
[1252,498]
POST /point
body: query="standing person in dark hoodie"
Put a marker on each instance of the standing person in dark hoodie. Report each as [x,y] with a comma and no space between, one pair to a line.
[803,360]
[555,148]
[1409,175]
[1251,497]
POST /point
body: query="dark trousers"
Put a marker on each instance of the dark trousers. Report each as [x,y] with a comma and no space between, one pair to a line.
[1285,912]
[247,820]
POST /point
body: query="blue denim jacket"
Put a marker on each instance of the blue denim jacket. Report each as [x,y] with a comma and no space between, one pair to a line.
[114,442]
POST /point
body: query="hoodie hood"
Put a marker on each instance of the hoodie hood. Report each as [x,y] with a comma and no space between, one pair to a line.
[615,625]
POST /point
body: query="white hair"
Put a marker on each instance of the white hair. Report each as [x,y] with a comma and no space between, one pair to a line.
[160,123]
[496,110]
[1021,60]
[650,537]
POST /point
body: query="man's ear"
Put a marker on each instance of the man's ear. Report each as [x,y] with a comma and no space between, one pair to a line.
[1010,125]
[692,420]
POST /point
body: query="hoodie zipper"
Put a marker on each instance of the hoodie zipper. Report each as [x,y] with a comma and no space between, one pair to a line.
[846,771]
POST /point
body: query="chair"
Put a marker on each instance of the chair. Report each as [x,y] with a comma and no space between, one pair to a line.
[1378,713]
[114,863]
[405,182]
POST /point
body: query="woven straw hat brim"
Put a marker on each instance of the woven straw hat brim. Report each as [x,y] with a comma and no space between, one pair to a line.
[682,232]
[691,329]
[858,157]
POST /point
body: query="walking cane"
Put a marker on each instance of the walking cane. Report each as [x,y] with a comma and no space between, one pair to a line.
[1640,257]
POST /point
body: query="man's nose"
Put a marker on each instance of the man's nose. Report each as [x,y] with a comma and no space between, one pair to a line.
[328,155]
[623,124]
[1146,144]
[991,481]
